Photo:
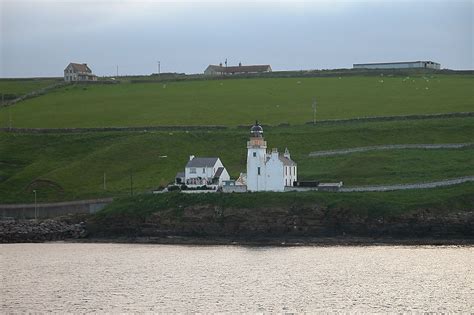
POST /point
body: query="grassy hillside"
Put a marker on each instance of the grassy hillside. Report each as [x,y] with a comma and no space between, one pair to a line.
[23,86]
[75,163]
[241,101]
[442,200]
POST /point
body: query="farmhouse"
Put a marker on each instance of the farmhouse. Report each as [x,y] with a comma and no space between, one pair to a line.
[78,72]
[220,70]
[267,171]
[399,65]
[202,171]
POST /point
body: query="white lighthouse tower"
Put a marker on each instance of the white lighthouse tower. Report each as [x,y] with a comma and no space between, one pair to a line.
[256,159]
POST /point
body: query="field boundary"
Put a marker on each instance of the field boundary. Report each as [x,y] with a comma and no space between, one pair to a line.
[423,185]
[34,93]
[393,118]
[391,147]
[222,127]
[107,129]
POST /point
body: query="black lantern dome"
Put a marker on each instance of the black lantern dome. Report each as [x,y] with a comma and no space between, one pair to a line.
[256,130]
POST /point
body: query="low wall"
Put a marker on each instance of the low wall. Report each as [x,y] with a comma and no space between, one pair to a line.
[51,210]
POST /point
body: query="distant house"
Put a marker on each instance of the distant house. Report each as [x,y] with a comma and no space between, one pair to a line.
[224,70]
[78,72]
[399,65]
[200,171]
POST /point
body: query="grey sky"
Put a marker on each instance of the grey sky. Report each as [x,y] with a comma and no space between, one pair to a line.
[39,37]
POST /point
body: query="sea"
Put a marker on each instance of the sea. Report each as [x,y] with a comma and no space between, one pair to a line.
[133,278]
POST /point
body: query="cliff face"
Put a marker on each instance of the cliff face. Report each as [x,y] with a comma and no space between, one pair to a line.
[212,221]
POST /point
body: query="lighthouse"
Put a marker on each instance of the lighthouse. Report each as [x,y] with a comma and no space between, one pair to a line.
[267,170]
[256,159]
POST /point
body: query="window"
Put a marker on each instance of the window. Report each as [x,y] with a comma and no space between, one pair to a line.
[254,154]
[192,170]
[203,170]
[258,170]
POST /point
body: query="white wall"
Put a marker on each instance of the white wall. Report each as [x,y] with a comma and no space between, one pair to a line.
[275,176]
[404,65]
[256,182]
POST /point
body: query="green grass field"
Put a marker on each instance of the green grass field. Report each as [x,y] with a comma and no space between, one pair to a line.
[23,86]
[240,101]
[77,162]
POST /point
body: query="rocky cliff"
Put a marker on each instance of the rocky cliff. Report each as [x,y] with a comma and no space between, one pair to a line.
[208,221]
[20,231]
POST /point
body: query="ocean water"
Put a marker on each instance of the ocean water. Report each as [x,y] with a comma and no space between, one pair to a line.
[82,278]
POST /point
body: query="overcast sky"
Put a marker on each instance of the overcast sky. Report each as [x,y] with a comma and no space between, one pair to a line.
[40,37]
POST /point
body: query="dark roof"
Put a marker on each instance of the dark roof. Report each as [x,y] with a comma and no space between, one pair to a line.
[80,67]
[202,162]
[256,130]
[287,161]
[219,172]
[240,69]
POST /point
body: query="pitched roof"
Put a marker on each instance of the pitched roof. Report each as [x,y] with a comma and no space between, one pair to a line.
[287,161]
[202,162]
[245,69]
[240,69]
[219,172]
[80,67]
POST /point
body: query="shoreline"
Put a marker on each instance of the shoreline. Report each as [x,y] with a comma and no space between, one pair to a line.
[277,241]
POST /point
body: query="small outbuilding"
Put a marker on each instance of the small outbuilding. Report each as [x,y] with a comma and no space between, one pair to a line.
[426,64]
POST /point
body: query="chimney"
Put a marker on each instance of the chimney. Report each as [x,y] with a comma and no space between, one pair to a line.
[287,153]
[240,64]
[274,153]
[220,64]
[191,157]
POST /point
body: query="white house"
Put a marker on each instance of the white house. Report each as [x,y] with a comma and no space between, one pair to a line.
[78,72]
[267,171]
[202,171]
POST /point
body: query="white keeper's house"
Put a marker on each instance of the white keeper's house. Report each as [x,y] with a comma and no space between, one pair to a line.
[267,170]
[78,72]
[200,171]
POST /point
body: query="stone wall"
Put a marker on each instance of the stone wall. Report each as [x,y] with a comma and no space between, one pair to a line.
[52,210]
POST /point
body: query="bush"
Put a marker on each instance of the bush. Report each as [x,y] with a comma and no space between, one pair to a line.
[173,188]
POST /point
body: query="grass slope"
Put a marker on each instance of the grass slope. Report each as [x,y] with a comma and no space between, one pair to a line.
[370,205]
[23,86]
[239,101]
[77,162]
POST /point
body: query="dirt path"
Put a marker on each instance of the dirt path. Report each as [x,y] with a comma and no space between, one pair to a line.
[391,147]
[441,183]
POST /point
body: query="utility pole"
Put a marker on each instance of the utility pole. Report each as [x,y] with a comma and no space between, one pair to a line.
[315,103]
[159,67]
[131,184]
[36,207]
[117,70]
[9,118]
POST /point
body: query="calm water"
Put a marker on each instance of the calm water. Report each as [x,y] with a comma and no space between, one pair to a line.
[61,277]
